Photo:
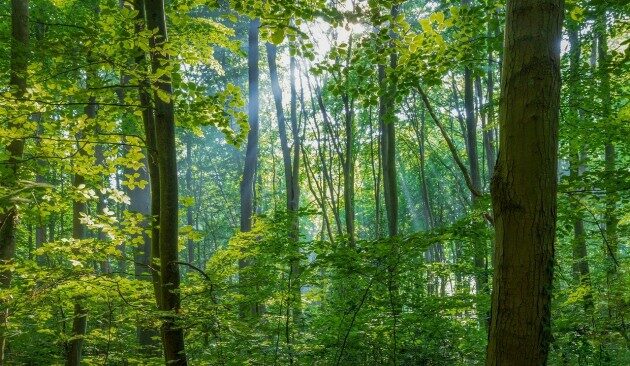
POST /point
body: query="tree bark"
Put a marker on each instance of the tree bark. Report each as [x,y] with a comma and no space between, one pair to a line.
[581,269]
[610,215]
[524,185]
[74,347]
[148,119]
[190,244]
[251,152]
[172,333]
[8,218]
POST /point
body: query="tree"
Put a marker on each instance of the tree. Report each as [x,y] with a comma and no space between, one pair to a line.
[251,152]
[172,333]
[524,185]
[9,175]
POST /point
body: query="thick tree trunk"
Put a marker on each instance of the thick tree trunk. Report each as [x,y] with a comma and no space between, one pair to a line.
[8,218]
[172,333]
[524,185]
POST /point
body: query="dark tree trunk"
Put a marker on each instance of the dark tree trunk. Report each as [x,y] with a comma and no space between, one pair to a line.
[524,185]
[172,333]
[148,119]
[9,173]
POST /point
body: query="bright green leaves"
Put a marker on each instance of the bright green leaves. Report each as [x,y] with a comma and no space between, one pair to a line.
[277,36]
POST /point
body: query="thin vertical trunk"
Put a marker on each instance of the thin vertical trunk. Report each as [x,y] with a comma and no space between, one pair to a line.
[251,152]
[172,333]
[9,178]
[291,170]
[581,270]
[348,161]
[190,244]
[74,347]
[140,203]
[387,123]
[293,197]
[488,132]
[524,185]
[101,204]
[488,140]
[148,119]
[610,216]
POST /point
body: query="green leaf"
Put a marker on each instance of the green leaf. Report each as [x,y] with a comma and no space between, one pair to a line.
[277,36]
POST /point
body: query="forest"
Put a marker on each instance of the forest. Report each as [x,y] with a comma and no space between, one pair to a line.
[315,182]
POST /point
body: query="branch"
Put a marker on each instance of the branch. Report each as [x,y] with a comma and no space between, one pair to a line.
[451,146]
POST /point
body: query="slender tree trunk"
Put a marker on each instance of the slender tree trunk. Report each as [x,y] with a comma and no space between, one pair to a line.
[251,153]
[140,203]
[148,119]
[291,169]
[349,159]
[79,208]
[524,185]
[581,270]
[387,123]
[488,132]
[190,244]
[610,215]
[488,139]
[293,198]
[172,333]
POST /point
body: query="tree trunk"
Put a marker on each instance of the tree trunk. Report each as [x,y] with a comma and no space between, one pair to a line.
[140,203]
[291,163]
[172,333]
[387,123]
[148,119]
[348,161]
[8,218]
[581,270]
[524,185]
[79,324]
[190,244]
[251,153]
[610,215]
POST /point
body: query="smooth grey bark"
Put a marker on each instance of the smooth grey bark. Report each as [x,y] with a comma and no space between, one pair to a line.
[524,185]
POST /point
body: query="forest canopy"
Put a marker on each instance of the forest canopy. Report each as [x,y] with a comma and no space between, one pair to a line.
[314,182]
